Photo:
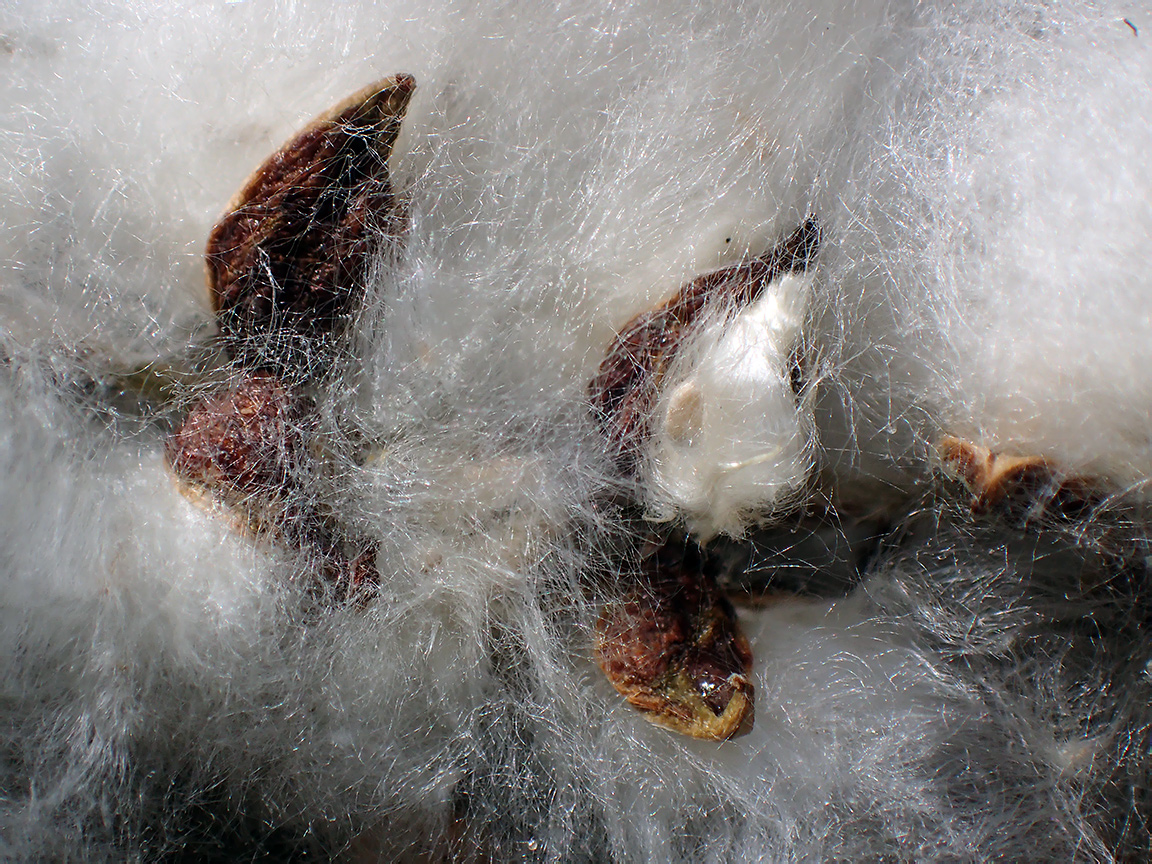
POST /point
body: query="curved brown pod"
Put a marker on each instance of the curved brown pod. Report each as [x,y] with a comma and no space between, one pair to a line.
[625,390]
[286,270]
[287,262]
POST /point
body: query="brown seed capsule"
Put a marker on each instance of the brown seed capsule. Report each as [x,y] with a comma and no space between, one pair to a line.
[624,392]
[1026,487]
[287,263]
[286,270]
[244,448]
[674,649]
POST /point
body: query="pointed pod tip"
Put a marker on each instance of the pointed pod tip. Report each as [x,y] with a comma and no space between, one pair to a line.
[381,100]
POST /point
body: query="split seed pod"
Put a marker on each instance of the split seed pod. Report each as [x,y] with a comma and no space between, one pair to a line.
[286,271]
[625,391]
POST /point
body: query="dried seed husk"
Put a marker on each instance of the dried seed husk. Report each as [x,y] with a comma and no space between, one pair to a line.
[624,393]
[288,261]
[672,646]
[1027,488]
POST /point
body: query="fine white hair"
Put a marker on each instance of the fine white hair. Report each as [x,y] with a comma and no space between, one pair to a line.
[931,685]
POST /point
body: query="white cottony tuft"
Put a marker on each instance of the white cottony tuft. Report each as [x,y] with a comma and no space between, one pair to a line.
[978,688]
[731,438]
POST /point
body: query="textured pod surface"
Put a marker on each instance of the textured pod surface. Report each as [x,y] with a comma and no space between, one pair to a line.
[287,263]
[244,446]
[674,648]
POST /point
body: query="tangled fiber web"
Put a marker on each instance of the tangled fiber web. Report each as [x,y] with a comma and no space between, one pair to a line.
[933,682]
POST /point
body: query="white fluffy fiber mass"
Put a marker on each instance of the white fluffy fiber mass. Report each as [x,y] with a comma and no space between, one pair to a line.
[730,441]
[170,691]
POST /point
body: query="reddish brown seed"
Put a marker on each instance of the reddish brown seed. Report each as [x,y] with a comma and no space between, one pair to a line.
[624,392]
[244,446]
[287,263]
[246,449]
[674,649]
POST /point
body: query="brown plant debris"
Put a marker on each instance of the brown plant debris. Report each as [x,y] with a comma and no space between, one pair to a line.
[1021,487]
